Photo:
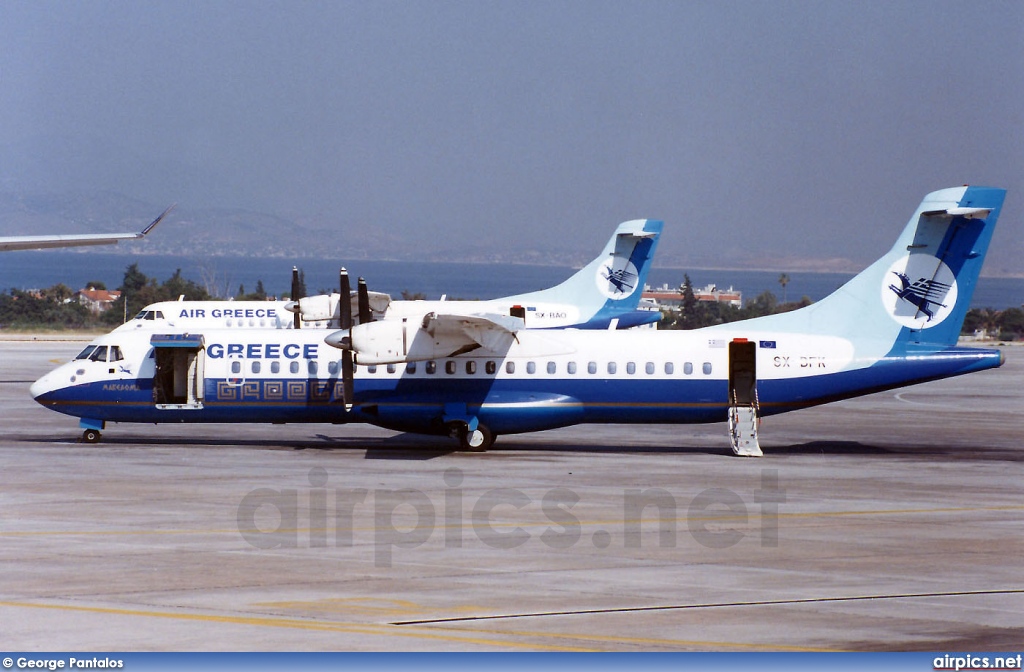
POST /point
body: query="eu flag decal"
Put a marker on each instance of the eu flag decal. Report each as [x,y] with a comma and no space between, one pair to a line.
[768,344]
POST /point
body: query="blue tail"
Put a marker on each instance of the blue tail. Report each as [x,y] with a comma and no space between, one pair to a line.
[916,296]
[608,289]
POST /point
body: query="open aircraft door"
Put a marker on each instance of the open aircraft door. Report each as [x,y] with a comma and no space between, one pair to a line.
[178,380]
[743,403]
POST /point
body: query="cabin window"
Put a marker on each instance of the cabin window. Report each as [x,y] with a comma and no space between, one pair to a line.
[490,367]
[431,367]
[294,367]
[570,368]
[531,367]
[471,367]
[332,368]
[612,368]
[688,368]
[312,367]
[449,367]
[649,368]
[630,368]
[510,367]
[275,367]
[99,354]
[236,366]
[552,368]
[707,368]
[410,368]
[84,354]
[256,366]
[391,368]
[371,369]
[669,368]
[591,367]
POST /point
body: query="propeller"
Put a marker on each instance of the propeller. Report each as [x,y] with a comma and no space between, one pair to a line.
[345,322]
[295,295]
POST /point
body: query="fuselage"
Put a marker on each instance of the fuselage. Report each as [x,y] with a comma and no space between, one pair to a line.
[204,315]
[546,379]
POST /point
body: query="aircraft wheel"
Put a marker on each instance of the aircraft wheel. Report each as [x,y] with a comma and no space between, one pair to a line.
[477,441]
[91,436]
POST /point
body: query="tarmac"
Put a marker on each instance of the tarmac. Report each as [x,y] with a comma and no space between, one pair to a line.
[892,522]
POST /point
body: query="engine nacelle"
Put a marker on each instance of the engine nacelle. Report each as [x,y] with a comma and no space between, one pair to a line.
[324,307]
[318,308]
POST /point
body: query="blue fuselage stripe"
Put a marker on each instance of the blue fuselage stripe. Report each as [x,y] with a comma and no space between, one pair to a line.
[506,405]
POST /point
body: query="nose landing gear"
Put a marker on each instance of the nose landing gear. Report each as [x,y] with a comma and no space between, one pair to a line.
[474,440]
[92,429]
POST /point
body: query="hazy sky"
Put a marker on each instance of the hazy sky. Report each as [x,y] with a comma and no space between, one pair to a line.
[783,128]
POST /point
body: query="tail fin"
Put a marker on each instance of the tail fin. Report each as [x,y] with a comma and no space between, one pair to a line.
[610,286]
[918,294]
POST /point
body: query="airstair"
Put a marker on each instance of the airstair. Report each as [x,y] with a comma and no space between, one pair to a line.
[744,407]
[743,421]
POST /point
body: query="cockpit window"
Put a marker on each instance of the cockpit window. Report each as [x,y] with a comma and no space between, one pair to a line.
[150,315]
[99,354]
[115,354]
[84,354]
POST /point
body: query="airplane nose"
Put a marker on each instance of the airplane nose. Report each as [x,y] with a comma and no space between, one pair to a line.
[41,386]
[37,388]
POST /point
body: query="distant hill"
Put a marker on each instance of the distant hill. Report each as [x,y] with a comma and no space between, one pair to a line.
[225,232]
[239,233]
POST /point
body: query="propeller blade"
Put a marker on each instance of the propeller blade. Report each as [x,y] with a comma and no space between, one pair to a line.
[295,296]
[345,323]
[347,378]
[365,315]
[345,300]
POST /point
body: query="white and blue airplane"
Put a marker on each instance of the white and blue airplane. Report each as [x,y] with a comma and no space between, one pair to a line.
[8,243]
[894,324]
[604,294]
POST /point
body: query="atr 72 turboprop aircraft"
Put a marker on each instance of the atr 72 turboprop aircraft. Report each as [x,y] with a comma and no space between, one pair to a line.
[894,324]
[41,242]
[603,294]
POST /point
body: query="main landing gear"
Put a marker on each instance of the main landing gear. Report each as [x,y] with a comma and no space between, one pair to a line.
[91,436]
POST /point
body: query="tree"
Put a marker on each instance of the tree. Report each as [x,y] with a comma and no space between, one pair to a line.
[691,318]
[138,291]
[1011,324]
[96,284]
[259,295]
[764,304]
[59,293]
[784,280]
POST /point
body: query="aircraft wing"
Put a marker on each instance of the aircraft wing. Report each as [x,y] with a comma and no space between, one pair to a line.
[462,333]
[436,336]
[42,242]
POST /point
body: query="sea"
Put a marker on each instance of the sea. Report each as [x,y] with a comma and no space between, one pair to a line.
[225,275]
